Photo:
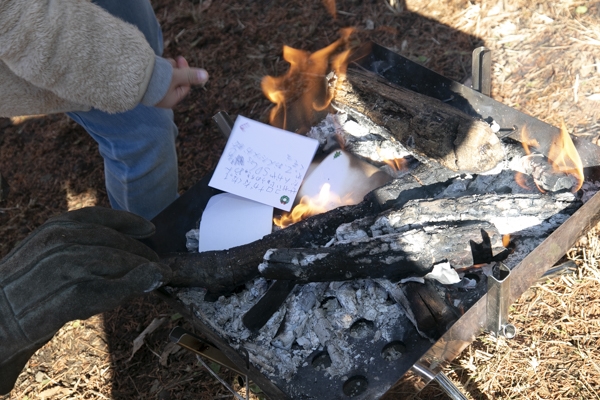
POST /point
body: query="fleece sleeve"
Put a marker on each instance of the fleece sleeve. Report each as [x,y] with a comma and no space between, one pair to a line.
[78,52]
[159,82]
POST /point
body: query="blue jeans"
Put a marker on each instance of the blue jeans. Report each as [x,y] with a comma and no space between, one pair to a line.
[138,146]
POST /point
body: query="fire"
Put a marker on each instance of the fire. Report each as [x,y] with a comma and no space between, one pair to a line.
[308,206]
[505,240]
[521,180]
[330,6]
[562,155]
[564,158]
[302,96]
[397,164]
[527,141]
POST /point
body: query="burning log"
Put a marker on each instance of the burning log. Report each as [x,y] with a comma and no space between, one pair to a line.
[423,124]
[224,271]
[366,246]
[544,175]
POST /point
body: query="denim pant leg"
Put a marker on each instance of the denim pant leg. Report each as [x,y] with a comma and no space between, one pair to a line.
[140,159]
[138,146]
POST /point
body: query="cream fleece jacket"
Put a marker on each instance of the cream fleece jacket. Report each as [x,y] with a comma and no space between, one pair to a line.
[72,55]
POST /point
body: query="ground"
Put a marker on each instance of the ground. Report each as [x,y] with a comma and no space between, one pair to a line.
[545,63]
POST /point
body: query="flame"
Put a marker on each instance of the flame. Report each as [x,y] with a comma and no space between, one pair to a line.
[326,200]
[521,180]
[397,164]
[505,240]
[330,6]
[527,141]
[564,158]
[305,85]
[562,155]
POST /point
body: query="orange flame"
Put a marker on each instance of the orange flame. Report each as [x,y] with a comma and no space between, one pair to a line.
[521,180]
[397,164]
[309,206]
[330,6]
[564,158]
[527,141]
[505,240]
[562,155]
[301,96]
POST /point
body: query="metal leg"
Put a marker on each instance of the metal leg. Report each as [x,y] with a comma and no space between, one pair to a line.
[446,384]
[498,297]
[482,70]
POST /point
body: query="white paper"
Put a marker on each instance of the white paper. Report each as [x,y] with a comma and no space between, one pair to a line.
[264,163]
[350,179]
[229,221]
[444,274]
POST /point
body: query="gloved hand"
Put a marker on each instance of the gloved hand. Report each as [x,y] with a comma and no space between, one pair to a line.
[76,265]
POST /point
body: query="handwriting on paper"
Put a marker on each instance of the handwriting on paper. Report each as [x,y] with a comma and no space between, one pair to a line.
[257,171]
[263,163]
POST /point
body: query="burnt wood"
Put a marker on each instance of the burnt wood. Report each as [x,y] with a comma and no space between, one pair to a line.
[425,125]
[221,272]
[392,256]
[433,315]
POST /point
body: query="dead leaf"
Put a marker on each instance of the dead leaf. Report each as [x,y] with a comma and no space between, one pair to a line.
[205,4]
[170,348]
[594,97]
[48,393]
[139,341]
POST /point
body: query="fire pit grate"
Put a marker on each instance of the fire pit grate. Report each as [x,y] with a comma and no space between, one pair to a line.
[362,354]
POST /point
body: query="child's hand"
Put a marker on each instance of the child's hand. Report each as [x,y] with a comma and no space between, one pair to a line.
[181,82]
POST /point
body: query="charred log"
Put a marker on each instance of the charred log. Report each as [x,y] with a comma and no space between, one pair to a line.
[223,271]
[422,124]
[543,174]
[432,313]
[392,256]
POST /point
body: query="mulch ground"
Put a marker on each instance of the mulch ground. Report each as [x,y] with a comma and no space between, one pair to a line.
[545,63]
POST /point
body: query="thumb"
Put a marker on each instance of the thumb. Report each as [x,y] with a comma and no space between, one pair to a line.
[197,76]
[189,76]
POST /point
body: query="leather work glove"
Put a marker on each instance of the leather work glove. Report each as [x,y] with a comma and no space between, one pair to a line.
[75,265]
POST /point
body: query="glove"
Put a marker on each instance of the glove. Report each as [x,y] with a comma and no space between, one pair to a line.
[74,266]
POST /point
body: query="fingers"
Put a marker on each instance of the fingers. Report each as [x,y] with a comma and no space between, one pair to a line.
[182,80]
[182,63]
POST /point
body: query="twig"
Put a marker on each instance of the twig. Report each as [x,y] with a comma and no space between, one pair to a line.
[213,373]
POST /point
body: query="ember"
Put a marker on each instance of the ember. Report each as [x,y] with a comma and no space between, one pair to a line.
[309,206]
[564,157]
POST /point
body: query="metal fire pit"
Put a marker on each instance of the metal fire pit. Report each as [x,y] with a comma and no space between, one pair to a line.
[421,360]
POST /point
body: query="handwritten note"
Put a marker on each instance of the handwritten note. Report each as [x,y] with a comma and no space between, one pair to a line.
[264,163]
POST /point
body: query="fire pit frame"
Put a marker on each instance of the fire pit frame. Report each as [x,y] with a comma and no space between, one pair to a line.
[183,214]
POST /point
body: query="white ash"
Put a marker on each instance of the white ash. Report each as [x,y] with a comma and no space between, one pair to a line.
[313,318]
[517,212]
[528,239]
[361,138]
[317,316]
